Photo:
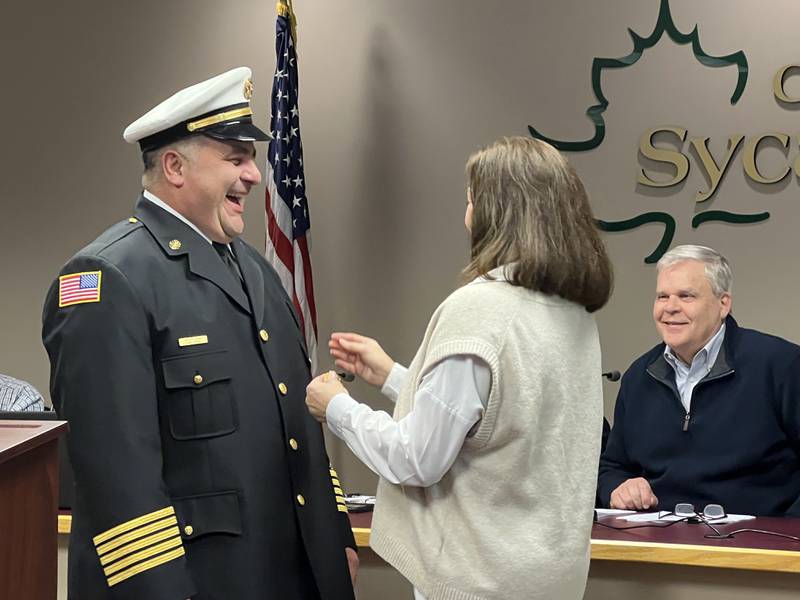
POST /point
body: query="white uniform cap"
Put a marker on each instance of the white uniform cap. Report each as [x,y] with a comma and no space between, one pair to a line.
[218,107]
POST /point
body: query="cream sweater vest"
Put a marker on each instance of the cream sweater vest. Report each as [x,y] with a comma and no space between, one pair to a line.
[513,515]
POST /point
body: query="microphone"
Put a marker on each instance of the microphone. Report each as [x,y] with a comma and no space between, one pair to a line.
[612,375]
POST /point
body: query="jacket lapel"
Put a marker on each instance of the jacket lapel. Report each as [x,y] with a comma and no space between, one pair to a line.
[253,276]
[176,238]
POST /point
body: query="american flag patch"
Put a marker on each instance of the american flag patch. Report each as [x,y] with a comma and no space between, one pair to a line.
[77,288]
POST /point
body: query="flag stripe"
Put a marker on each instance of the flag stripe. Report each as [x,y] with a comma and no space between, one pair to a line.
[309,281]
[281,243]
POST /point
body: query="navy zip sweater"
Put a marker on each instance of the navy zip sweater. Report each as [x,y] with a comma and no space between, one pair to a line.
[739,445]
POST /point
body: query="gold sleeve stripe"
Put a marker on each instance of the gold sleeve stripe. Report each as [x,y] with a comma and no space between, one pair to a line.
[138,545]
[133,524]
[134,558]
[342,508]
[339,500]
[136,534]
[333,473]
[335,482]
[338,491]
[142,567]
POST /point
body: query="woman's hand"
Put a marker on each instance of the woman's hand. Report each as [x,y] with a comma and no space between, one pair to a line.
[361,356]
[319,393]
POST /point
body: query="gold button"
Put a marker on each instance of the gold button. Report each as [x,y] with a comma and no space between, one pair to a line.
[293,443]
[188,530]
[300,500]
[263,335]
[133,220]
[175,244]
[283,389]
[198,379]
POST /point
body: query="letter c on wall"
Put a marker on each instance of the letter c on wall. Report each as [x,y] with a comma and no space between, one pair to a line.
[779,80]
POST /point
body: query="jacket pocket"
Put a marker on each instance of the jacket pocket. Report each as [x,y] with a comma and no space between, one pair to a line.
[204,514]
[200,403]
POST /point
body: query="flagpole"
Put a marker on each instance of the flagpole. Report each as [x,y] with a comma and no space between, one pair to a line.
[285,9]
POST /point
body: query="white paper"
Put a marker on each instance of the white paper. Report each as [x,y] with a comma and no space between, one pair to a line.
[364,499]
[666,517]
[612,512]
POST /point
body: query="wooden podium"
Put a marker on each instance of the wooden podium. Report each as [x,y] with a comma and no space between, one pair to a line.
[29,508]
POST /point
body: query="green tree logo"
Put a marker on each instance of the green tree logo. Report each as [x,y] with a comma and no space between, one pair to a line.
[664,25]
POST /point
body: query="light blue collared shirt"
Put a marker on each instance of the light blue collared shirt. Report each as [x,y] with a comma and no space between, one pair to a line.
[688,376]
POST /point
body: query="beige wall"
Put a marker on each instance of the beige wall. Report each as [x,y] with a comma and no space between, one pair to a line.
[394,97]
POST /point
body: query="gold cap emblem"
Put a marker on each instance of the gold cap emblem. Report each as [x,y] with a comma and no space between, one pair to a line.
[175,244]
[248,88]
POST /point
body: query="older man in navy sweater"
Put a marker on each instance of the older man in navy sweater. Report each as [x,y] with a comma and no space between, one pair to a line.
[712,415]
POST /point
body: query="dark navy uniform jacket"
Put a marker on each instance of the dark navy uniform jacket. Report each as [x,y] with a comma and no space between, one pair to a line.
[198,470]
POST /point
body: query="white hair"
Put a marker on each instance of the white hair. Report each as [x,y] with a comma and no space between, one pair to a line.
[718,269]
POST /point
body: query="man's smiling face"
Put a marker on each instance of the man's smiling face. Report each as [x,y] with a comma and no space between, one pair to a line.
[218,176]
[686,310]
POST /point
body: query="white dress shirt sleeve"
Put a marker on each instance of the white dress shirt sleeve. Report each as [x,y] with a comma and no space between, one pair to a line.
[419,448]
[394,382]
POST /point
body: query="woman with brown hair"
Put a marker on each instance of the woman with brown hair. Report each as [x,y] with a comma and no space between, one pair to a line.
[489,464]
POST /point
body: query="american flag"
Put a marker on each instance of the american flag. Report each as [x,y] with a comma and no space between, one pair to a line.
[77,288]
[286,204]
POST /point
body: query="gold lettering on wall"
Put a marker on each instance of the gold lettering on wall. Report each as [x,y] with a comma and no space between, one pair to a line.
[779,80]
[749,157]
[713,171]
[797,166]
[663,155]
